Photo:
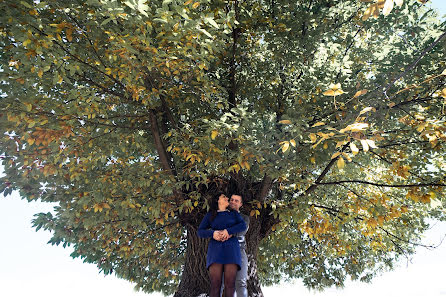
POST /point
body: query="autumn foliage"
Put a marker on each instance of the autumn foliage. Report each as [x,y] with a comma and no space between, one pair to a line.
[327,116]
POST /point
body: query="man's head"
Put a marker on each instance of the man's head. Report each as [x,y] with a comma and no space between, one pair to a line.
[236,202]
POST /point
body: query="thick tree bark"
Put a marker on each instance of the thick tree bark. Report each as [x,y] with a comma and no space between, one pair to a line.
[253,238]
[254,289]
[195,278]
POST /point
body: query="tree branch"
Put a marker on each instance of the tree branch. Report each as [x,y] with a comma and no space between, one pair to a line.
[265,186]
[408,241]
[383,185]
[322,175]
[411,66]
[162,153]
[233,84]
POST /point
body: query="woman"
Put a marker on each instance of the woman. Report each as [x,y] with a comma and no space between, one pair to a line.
[223,250]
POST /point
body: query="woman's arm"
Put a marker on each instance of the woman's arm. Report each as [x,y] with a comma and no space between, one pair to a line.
[205,230]
[239,225]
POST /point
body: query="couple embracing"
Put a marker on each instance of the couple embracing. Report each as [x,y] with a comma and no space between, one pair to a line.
[227,248]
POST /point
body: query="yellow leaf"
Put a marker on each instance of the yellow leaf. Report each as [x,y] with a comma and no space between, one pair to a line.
[380,220]
[28,106]
[356,127]
[335,89]
[371,10]
[293,142]
[335,155]
[313,137]
[188,2]
[313,160]
[443,93]
[426,198]
[285,146]
[69,33]
[354,148]
[365,145]
[329,93]
[340,163]
[367,109]
[40,73]
[30,141]
[372,222]
[318,124]
[214,134]
[98,207]
[195,5]
[340,143]
[359,93]
[285,122]
[347,157]
[432,194]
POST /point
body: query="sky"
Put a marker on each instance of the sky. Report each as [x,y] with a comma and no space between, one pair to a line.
[31,267]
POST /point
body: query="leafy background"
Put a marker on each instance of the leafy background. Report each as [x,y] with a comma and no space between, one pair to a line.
[31,267]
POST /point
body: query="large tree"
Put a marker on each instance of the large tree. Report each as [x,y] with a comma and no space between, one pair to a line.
[328,116]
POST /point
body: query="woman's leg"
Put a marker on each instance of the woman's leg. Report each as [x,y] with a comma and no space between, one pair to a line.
[230,274]
[215,272]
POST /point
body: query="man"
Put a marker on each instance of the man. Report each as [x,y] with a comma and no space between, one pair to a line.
[235,203]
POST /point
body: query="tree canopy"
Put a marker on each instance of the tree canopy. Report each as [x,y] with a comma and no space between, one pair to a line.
[327,115]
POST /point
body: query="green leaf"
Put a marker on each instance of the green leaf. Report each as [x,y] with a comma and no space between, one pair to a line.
[212,22]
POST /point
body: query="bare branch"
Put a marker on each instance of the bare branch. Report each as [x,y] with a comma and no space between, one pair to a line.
[411,66]
[384,185]
[162,153]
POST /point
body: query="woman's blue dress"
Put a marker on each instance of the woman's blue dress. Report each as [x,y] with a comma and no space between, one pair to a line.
[226,252]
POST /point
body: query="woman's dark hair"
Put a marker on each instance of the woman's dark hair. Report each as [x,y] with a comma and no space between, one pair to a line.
[213,207]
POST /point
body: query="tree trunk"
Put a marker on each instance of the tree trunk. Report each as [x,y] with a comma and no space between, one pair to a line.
[253,237]
[195,277]
[254,289]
